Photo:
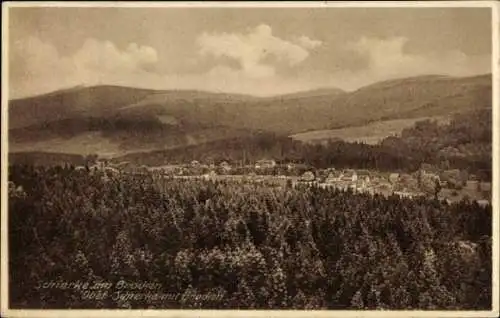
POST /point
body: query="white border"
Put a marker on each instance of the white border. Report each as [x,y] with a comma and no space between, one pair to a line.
[4,167]
[5,312]
[255,4]
[495,57]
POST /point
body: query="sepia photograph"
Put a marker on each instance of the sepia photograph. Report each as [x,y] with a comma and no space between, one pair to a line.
[288,157]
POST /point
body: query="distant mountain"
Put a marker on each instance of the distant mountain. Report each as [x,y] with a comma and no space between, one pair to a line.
[422,96]
[329,92]
[386,108]
[425,96]
[78,102]
[117,120]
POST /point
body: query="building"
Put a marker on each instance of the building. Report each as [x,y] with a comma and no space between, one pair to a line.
[429,173]
[407,181]
[450,174]
[265,163]
[123,165]
[333,177]
[376,179]
[473,177]
[111,171]
[225,166]
[195,164]
[485,186]
[433,177]
[429,169]
[360,184]
[472,185]
[384,188]
[393,178]
[180,171]
[101,163]
[17,191]
[483,202]
[453,178]
[327,172]
[363,175]
[325,185]
[404,194]
[344,186]
[210,176]
[349,175]
[308,176]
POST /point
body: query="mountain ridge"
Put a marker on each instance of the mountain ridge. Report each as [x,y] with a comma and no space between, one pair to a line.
[130,117]
[319,89]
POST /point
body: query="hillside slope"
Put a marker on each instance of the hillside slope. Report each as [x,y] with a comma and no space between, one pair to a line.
[118,120]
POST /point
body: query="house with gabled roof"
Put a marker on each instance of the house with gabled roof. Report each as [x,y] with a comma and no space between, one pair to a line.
[334,176]
[363,175]
[349,175]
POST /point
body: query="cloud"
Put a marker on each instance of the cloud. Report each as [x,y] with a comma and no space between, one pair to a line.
[308,43]
[106,56]
[37,67]
[387,58]
[251,49]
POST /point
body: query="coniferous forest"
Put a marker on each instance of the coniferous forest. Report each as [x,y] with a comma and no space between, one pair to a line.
[250,246]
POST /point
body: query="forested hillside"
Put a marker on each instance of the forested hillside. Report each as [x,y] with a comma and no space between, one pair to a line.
[111,120]
[254,246]
[463,143]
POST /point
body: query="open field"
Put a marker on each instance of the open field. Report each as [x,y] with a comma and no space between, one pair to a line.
[371,133]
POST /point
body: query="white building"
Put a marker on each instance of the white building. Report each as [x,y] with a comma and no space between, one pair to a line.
[210,176]
[308,176]
[265,163]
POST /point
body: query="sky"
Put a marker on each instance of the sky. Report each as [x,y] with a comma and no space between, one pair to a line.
[257,51]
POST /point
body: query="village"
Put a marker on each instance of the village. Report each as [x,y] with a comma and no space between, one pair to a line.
[450,185]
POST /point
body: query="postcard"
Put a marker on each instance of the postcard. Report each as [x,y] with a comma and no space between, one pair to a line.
[250,159]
